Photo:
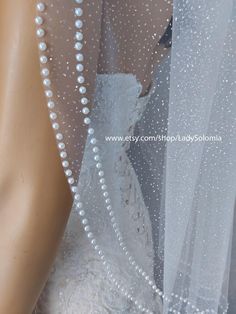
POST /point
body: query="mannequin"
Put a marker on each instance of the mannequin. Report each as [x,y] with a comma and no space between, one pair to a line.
[35,200]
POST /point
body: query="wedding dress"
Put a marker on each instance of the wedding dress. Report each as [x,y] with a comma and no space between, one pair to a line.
[78,283]
[157,223]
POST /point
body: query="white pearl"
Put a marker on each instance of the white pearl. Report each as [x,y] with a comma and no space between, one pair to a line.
[61,145]
[87,228]
[82,89]
[55,126]
[43,59]
[109,207]
[51,105]
[39,20]
[68,172]
[77,197]
[93,141]
[47,82]
[102,180]
[59,136]
[53,115]
[65,164]
[87,121]
[90,131]
[90,235]
[97,158]
[45,72]
[78,12]
[108,202]
[78,23]
[79,36]
[82,213]
[104,187]
[79,205]
[79,57]
[63,155]
[74,189]
[78,45]
[40,6]
[48,93]
[79,1]
[71,181]
[80,79]
[95,149]
[40,32]
[101,173]
[42,46]
[105,194]
[79,67]
[85,110]
[98,165]
[84,221]
[84,101]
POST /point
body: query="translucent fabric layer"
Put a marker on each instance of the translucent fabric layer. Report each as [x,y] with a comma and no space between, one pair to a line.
[146,130]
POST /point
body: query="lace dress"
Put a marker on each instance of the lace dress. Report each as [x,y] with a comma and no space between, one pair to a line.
[78,283]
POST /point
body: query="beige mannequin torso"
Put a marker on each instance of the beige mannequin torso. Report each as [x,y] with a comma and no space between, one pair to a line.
[34,196]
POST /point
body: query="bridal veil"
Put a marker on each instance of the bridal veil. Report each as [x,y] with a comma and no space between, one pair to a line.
[180,87]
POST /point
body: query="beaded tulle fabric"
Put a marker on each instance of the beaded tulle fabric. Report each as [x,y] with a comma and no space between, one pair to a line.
[141,95]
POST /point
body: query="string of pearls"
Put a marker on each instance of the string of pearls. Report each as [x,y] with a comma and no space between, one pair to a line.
[45,72]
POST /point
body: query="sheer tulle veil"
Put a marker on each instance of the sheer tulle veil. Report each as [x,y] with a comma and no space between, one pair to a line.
[183,148]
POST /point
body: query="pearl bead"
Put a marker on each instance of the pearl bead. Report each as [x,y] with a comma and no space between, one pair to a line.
[78,12]
[85,110]
[80,79]
[84,221]
[42,46]
[79,36]
[40,32]
[79,57]
[90,131]
[59,136]
[101,173]
[68,173]
[98,165]
[93,141]
[55,126]
[71,181]
[82,90]
[104,187]
[40,6]
[53,115]
[65,164]
[63,155]
[74,189]
[77,197]
[78,24]
[45,72]
[105,194]
[80,67]
[108,202]
[39,20]
[48,93]
[46,82]
[109,207]
[78,45]
[61,145]
[90,235]
[79,1]
[82,213]
[87,228]
[87,121]
[95,149]
[102,180]
[43,59]
[51,105]
[84,101]
[97,158]
[79,205]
